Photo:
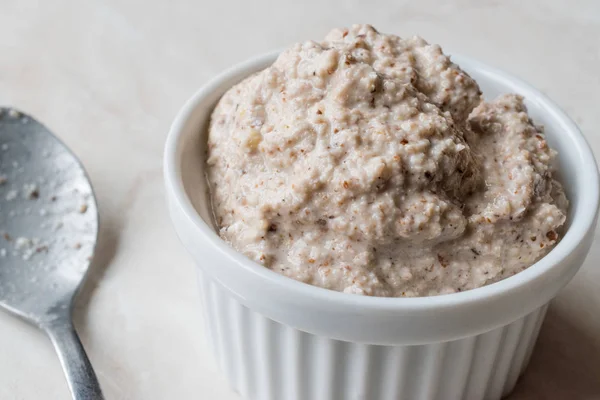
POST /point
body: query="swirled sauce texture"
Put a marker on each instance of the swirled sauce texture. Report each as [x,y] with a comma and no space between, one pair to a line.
[369,164]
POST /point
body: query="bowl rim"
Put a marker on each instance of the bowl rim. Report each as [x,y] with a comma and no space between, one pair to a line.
[582,222]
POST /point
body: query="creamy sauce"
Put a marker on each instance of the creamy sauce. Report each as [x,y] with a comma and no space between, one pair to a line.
[369,164]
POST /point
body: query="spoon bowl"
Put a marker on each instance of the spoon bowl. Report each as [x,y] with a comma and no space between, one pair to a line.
[48,228]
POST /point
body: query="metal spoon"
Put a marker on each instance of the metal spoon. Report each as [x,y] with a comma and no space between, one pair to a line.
[48,228]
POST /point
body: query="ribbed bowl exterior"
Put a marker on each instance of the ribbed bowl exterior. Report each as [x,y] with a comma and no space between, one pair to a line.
[266,360]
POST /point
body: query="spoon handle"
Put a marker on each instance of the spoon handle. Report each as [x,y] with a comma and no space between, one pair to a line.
[78,370]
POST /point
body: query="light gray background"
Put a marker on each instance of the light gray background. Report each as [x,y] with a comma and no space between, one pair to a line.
[109,76]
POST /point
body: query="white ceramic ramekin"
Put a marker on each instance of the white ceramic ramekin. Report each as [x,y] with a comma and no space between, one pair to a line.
[279,339]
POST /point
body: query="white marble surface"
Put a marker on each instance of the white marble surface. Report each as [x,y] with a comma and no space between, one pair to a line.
[108,77]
